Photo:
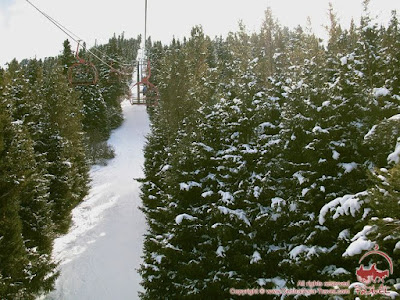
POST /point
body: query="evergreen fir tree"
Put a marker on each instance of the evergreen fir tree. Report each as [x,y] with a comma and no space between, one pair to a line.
[13,253]
[266,158]
[63,140]
[67,57]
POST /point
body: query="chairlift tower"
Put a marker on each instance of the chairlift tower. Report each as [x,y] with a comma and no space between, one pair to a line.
[143,72]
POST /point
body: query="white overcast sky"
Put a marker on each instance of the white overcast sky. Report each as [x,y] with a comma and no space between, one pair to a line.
[24,33]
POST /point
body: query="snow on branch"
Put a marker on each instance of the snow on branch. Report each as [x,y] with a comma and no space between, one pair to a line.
[371,132]
[380,92]
[220,251]
[256,257]
[239,213]
[181,217]
[348,204]
[360,242]
[394,157]
[309,252]
[187,186]
[204,146]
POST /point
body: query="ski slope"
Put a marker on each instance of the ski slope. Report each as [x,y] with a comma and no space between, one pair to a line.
[102,251]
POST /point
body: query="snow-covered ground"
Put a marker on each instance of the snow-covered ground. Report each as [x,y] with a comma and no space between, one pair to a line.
[102,251]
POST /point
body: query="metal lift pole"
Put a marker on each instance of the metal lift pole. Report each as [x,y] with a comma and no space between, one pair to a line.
[139,69]
[138,80]
[145,25]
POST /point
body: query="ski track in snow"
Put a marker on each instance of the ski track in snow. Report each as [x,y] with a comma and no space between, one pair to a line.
[101,253]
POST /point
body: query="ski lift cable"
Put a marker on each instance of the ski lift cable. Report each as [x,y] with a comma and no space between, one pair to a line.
[90,50]
[70,34]
[67,32]
[44,14]
[81,39]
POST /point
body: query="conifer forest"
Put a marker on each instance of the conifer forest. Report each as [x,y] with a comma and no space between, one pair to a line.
[50,134]
[273,158]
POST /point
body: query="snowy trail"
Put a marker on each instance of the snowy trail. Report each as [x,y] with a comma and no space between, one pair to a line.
[101,253]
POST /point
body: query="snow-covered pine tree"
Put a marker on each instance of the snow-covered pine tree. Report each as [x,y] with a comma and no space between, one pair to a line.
[383,228]
[67,57]
[96,123]
[112,86]
[267,174]
[25,248]
[44,170]
[343,120]
[369,98]
[13,253]
[62,137]
[169,260]
[386,94]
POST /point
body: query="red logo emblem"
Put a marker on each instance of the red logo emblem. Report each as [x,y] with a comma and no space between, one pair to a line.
[373,274]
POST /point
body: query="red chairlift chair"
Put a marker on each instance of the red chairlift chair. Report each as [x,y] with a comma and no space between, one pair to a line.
[82,72]
[149,91]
